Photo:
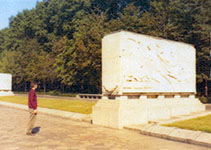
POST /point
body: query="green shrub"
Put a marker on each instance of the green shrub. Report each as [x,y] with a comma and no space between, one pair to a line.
[54,92]
[58,93]
[209,99]
[203,99]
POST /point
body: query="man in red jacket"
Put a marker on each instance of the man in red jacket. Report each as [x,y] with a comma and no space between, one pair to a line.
[32,104]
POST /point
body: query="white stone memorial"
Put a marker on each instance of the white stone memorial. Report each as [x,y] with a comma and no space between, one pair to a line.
[5,84]
[148,79]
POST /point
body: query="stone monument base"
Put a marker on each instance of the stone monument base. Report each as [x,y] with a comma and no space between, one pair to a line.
[123,112]
[6,93]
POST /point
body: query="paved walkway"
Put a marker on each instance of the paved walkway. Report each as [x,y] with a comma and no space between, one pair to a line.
[62,134]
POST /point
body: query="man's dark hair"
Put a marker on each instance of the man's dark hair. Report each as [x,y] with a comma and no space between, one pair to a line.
[33,84]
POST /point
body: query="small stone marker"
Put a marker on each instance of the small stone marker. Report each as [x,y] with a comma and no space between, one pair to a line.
[5,84]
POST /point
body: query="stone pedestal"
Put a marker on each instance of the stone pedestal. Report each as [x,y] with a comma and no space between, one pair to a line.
[120,113]
[5,84]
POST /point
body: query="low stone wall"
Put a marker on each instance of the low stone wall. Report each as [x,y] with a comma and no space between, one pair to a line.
[89,96]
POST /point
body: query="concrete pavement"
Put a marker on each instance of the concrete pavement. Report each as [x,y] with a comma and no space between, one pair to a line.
[64,134]
[52,112]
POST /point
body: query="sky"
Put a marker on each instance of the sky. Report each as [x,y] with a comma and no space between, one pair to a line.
[10,8]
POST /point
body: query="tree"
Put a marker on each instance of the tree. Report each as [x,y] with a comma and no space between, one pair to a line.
[10,63]
[202,30]
[79,63]
[40,68]
[128,20]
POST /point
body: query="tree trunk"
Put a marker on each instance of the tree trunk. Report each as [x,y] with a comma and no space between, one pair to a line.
[44,86]
[206,88]
[25,87]
[62,88]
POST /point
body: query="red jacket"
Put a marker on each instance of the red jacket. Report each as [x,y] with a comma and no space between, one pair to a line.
[32,99]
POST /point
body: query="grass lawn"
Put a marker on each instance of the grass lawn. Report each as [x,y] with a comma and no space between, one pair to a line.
[65,105]
[198,124]
[50,93]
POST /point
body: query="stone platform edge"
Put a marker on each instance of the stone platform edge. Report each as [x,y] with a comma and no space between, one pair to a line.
[53,112]
[175,134]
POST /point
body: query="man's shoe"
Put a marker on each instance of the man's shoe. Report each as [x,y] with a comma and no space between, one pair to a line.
[29,133]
